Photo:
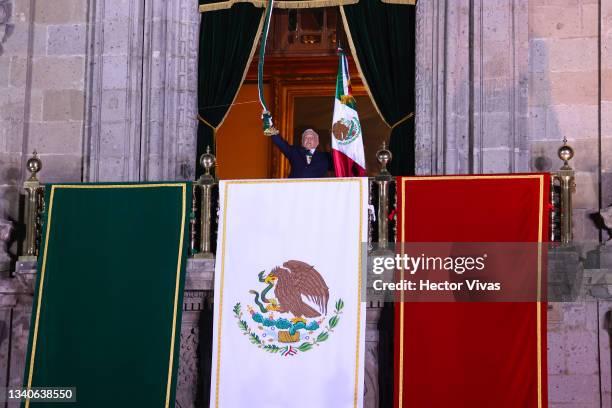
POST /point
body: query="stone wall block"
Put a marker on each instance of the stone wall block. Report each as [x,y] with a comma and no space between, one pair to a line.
[570,88]
[538,55]
[65,104]
[21,10]
[117,8]
[497,17]
[573,391]
[12,104]
[17,72]
[606,123]
[581,352]
[557,359]
[112,168]
[62,168]
[498,129]
[58,72]
[36,105]
[112,142]
[589,20]
[115,72]
[113,106]
[5,64]
[572,122]
[155,146]
[17,43]
[554,21]
[116,33]
[537,122]
[12,136]
[497,93]
[67,39]
[56,138]
[577,54]
[496,160]
[60,11]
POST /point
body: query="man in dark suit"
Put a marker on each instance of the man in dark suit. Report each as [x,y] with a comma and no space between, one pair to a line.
[306,161]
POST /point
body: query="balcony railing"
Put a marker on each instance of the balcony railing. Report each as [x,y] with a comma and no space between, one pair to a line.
[204,205]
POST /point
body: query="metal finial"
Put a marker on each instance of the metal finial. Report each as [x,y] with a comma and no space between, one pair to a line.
[384,156]
[565,153]
[207,161]
[34,165]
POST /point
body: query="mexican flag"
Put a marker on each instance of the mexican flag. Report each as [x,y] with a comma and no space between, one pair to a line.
[289,325]
[347,141]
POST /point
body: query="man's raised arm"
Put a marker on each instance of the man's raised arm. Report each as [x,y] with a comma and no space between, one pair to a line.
[282,144]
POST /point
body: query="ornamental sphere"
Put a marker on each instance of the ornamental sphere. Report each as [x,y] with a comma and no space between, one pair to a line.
[565,153]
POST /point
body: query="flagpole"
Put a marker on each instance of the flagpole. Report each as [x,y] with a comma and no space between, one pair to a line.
[268,126]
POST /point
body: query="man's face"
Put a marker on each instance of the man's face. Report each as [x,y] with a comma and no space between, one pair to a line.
[310,140]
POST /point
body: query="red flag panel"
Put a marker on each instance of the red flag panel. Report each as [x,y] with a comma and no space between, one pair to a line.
[471,354]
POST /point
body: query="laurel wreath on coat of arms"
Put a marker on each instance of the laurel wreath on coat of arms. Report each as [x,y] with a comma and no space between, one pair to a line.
[345,131]
[288,324]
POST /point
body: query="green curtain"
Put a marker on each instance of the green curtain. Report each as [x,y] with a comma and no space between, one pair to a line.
[226,42]
[383,36]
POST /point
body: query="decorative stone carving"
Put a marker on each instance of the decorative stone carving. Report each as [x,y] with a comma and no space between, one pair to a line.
[370,385]
[6,29]
[187,387]
[6,227]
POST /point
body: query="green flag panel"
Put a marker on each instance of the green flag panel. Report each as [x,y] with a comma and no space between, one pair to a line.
[107,308]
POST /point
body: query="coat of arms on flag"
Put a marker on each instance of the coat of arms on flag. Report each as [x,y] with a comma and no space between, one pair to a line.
[289,312]
[347,140]
[296,319]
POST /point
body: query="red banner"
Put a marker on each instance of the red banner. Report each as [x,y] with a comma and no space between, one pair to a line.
[472,354]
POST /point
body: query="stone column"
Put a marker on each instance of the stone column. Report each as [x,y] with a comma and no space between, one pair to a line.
[471,86]
[141,104]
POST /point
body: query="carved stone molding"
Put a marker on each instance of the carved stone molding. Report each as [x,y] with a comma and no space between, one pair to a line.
[471,86]
[6,29]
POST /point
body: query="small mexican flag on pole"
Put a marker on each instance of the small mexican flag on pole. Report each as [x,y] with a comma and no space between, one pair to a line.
[347,141]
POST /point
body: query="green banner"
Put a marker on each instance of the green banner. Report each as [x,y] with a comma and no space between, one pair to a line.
[107,307]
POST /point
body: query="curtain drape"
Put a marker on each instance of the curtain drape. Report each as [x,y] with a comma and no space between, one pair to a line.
[382,38]
[228,39]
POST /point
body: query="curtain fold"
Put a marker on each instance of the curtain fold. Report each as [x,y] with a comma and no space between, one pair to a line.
[228,39]
[382,40]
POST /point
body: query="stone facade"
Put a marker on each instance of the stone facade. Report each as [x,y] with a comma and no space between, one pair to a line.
[42,93]
[105,90]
